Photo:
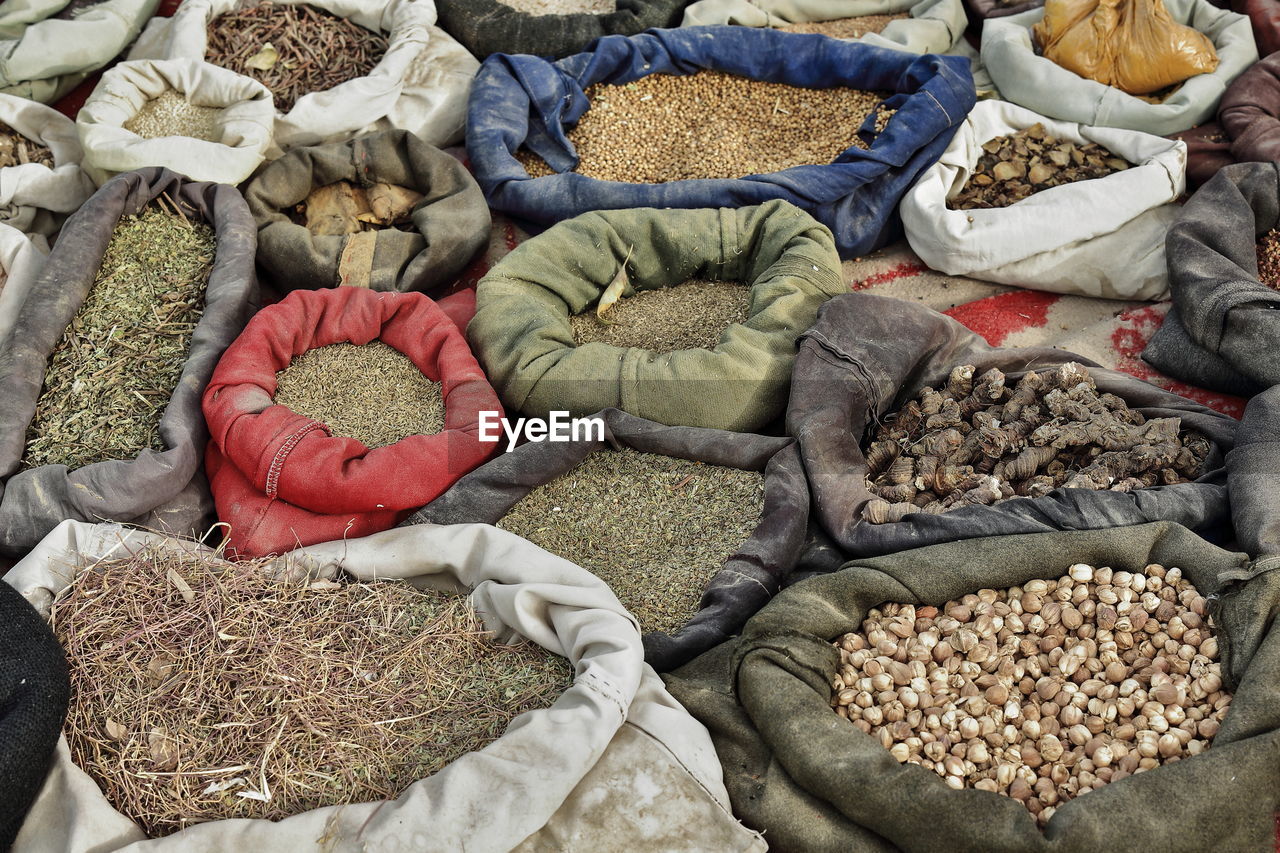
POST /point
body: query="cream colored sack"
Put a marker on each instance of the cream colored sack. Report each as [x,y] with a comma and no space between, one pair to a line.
[21,259]
[29,192]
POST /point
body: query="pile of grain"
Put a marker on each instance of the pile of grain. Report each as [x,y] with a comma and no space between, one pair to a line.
[666,127]
[1042,692]
[654,528]
[692,315]
[17,150]
[1269,259]
[171,114]
[203,690]
[373,393]
[846,28]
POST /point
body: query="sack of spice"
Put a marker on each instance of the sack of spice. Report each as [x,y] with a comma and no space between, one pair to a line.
[197,119]
[1040,84]
[41,179]
[334,67]
[21,260]
[1224,271]
[1073,447]
[50,46]
[100,423]
[1021,199]
[684,317]
[385,211]
[337,413]
[693,529]
[441,769]
[729,127]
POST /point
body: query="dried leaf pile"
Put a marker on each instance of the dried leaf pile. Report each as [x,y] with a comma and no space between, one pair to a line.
[667,127]
[654,528]
[293,49]
[976,441]
[112,374]
[1269,259]
[373,393]
[202,689]
[171,114]
[846,28]
[691,315]
[1042,692]
[17,150]
[1012,168]
[344,208]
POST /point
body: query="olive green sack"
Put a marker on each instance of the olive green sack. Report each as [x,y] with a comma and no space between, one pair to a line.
[522,336]
[813,782]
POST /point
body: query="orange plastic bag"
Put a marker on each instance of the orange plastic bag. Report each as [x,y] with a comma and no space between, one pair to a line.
[1131,44]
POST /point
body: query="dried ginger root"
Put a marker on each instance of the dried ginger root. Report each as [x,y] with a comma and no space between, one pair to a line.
[976,441]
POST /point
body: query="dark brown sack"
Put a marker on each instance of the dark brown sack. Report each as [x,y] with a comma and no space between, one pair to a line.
[982,9]
[1208,150]
[164,490]
[867,355]
[1265,17]
[1250,112]
[761,565]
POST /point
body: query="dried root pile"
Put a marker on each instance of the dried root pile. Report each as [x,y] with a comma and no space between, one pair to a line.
[17,150]
[977,441]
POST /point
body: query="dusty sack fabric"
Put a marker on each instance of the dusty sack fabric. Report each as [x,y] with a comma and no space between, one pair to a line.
[583,769]
[489,26]
[525,101]
[1040,84]
[31,191]
[816,783]
[21,260]
[1225,326]
[45,51]
[1265,17]
[522,336]
[247,121]
[282,480]
[1101,237]
[1208,150]
[867,355]
[164,490]
[450,223]
[759,567]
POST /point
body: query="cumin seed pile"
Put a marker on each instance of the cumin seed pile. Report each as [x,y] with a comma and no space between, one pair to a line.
[692,315]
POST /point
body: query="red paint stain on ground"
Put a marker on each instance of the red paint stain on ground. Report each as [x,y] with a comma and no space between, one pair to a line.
[892,274]
[997,317]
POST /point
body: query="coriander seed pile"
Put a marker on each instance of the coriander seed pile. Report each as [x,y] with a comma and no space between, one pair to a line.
[171,114]
[667,127]
[373,393]
[1042,692]
[846,28]
[691,315]
[1269,259]
[654,528]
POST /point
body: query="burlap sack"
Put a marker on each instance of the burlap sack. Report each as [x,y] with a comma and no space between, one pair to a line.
[165,489]
[450,224]
[615,764]
[31,193]
[522,336]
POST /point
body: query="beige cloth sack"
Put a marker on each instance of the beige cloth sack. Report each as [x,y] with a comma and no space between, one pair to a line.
[247,122]
[28,193]
[21,259]
[614,764]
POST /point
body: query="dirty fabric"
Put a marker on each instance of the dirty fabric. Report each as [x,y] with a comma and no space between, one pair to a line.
[489,26]
[1265,17]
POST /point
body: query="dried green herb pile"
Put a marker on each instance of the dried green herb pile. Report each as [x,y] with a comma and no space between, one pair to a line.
[1269,259]
[171,114]
[203,690]
[373,393]
[17,150]
[846,28]
[654,528]
[112,374]
[293,49]
[691,315]
[976,441]
[1015,167]
[667,127]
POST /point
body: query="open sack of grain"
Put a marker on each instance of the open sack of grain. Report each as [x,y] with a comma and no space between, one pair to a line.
[102,373]
[684,317]
[197,119]
[621,127]
[337,413]
[915,431]
[50,46]
[693,529]
[41,179]
[21,260]
[351,633]
[385,211]
[1224,271]
[1034,81]
[1020,199]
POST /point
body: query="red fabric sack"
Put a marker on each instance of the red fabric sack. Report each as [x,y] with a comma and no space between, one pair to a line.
[280,480]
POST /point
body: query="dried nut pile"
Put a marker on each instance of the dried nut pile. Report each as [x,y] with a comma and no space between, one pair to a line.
[1269,259]
[1042,692]
[846,28]
[561,7]
[975,441]
[17,150]
[692,315]
[1014,167]
[293,49]
[667,127]
[171,114]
